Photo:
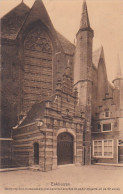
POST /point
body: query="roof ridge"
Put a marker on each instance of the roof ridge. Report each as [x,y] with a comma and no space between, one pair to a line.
[14,9]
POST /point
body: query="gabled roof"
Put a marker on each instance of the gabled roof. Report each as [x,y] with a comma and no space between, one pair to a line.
[36,111]
[12,22]
[39,12]
[67,46]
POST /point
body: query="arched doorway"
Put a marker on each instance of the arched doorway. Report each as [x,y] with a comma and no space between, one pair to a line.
[36,153]
[64,148]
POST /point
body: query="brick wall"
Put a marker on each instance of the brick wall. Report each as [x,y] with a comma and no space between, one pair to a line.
[10,87]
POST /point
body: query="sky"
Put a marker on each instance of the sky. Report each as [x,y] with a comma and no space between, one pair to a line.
[106,19]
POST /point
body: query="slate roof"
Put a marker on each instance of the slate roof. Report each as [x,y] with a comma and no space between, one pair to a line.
[118,73]
[96,56]
[67,46]
[36,111]
[12,22]
[84,19]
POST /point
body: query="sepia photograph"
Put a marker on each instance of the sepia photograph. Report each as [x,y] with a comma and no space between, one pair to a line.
[61,96]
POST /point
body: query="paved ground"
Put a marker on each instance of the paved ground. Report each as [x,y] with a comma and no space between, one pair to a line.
[73,180]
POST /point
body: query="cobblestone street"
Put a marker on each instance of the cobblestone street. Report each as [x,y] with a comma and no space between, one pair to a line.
[67,179]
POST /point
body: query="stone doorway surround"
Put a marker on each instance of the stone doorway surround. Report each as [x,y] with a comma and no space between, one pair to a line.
[70,131]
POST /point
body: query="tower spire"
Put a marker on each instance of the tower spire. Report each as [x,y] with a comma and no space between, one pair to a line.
[84,23]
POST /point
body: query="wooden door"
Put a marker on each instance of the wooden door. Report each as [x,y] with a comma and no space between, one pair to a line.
[120,154]
[65,149]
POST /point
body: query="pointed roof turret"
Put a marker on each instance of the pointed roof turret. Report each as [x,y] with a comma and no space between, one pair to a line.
[84,23]
[118,74]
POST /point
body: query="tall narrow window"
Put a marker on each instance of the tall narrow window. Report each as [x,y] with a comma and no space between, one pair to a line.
[97,148]
[36,153]
[108,147]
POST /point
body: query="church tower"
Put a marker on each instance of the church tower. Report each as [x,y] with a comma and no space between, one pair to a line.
[83,77]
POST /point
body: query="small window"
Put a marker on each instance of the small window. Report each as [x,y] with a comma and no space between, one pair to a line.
[107,114]
[120,142]
[98,126]
[106,127]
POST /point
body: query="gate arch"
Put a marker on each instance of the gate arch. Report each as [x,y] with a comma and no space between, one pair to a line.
[65,148]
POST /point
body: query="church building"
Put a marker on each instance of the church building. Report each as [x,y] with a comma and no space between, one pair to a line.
[57,105]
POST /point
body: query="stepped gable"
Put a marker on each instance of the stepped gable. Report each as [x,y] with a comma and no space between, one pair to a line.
[12,22]
[67,46]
